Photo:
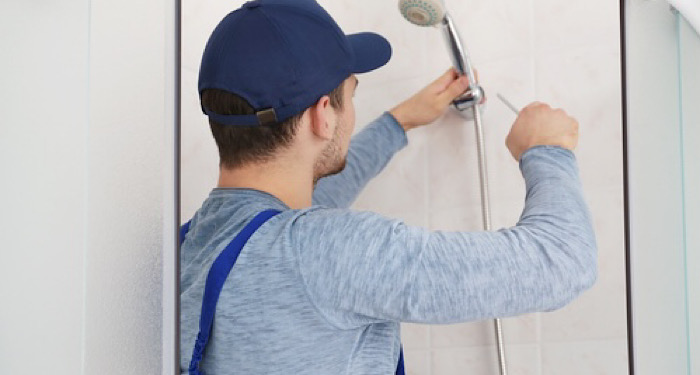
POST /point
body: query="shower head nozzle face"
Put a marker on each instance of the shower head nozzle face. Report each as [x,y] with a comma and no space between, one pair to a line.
[422,12]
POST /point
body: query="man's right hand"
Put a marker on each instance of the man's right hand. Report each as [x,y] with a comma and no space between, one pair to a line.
[539,124]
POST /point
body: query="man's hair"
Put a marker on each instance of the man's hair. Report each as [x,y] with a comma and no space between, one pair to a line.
[239,145]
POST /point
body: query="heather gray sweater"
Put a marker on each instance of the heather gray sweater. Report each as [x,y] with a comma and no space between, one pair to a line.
[322,290]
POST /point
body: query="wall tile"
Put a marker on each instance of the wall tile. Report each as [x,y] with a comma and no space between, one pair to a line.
[415,336]
[373,97]
[198,21]
[490,30]
[483,360]
[417,362]
[564,24]
[383,17]
[199,157]
[585,358]
[517,330]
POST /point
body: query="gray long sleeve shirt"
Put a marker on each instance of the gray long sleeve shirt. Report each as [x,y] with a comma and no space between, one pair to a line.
[322,290]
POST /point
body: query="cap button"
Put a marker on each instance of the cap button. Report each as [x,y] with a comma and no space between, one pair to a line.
[251,4]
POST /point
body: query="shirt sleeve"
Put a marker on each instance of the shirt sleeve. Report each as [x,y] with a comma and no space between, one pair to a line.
[361,268]
[370,151]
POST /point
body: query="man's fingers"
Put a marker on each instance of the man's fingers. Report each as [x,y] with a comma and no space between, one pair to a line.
[456,88]
[444,80]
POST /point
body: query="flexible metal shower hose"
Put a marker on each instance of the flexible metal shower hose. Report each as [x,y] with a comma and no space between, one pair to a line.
[486,215]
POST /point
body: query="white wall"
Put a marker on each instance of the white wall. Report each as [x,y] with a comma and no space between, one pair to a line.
[87,115]
[43,122]
[563,52]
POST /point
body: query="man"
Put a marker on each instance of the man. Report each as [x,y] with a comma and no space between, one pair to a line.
[320,288]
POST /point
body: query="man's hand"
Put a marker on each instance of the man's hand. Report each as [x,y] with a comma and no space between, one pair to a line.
[428,104]
[539,124]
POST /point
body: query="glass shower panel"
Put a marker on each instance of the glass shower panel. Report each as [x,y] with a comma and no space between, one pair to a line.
[689,77]
[655,175]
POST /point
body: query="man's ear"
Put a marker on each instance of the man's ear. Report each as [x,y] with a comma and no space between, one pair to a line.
[322,121]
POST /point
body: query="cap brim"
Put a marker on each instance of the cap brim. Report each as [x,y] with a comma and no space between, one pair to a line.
[371,51]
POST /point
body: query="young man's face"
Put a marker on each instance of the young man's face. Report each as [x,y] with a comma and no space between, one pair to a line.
[332,160]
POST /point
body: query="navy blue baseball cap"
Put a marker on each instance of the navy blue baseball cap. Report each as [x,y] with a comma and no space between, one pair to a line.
[282,56]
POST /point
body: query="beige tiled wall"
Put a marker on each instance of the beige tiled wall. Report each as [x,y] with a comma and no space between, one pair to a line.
[565,53]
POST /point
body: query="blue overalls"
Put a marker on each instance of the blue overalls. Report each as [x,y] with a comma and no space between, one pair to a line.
[215,281]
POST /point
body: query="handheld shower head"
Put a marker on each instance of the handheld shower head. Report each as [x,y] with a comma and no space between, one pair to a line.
[423,12]
[432,13]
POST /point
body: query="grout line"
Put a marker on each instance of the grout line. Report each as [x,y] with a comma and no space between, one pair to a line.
[533,72]
[533,48]
[430,350]
[539,343]
[584,340]
[526,344]
[428,223]
[86,201]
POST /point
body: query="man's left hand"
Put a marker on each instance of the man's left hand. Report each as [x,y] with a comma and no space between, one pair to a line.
[428,104]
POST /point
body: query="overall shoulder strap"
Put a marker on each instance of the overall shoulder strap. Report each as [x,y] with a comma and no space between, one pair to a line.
[215,281]
[212,288]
